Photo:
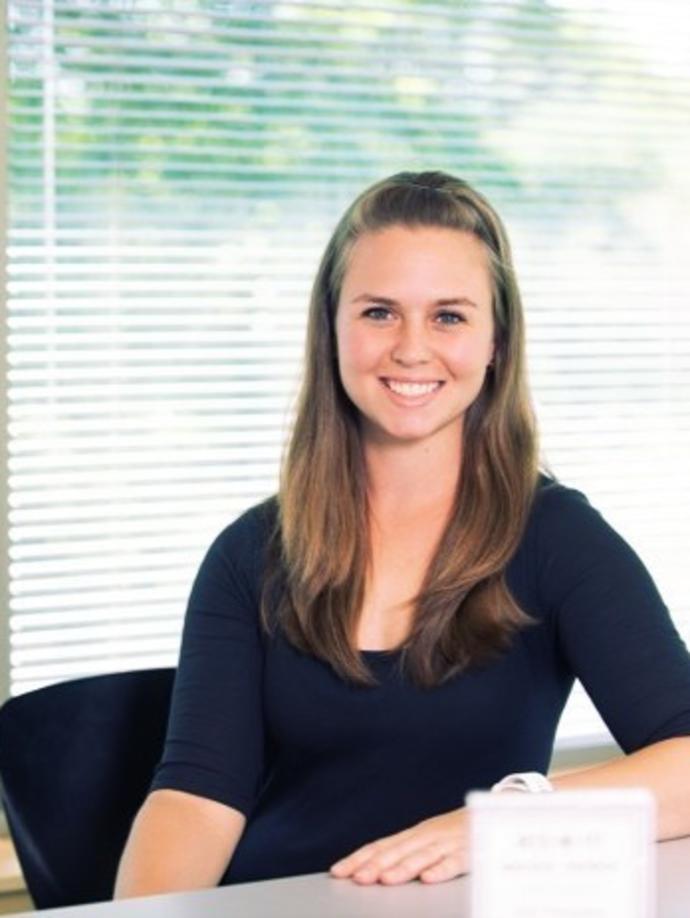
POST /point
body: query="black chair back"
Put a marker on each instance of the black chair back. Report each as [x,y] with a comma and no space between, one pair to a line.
[76,761]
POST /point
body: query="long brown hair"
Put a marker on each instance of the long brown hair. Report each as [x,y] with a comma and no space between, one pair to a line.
[314,588]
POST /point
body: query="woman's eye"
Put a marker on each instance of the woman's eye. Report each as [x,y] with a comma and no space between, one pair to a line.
[377,312]
[450,318]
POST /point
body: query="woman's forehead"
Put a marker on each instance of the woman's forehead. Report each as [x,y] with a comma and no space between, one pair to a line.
[442,263]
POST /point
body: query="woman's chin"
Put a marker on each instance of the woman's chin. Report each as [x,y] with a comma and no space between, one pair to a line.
[405,434]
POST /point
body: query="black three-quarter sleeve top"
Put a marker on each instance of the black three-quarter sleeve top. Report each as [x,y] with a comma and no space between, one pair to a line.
[320,766]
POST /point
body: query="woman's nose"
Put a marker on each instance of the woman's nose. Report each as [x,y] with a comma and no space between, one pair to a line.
[411,346]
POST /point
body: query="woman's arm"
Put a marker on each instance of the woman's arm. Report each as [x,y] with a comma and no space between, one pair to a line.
[178,841]
[183,836]
[437,849]
[663,768]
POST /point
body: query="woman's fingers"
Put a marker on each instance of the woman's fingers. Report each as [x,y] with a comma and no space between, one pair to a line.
[434,850]
[347,866]
[376,855]
[447,868]
[410,866]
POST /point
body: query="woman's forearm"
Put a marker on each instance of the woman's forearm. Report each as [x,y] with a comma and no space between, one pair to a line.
[178,842]
[663,768]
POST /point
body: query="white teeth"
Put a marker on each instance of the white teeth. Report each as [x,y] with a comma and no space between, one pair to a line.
[411,389]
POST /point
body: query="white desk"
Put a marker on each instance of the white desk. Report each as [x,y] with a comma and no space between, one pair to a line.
[318,896]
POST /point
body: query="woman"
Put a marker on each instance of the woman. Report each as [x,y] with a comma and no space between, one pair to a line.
[404,622]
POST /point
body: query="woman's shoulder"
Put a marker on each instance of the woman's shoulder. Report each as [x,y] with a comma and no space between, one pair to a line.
[552,492]
[567,534]
[234,561]
[250,532]
[255,520]
[558,507]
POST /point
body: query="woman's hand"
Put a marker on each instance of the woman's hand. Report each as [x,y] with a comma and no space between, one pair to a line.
[434,850]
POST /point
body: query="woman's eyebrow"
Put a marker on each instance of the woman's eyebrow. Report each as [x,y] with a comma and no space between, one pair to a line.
[387,301]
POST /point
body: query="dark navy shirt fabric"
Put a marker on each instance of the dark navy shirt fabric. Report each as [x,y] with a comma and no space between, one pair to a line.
[320,767]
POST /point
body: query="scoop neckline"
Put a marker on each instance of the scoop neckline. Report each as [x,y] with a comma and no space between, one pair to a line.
[381,653]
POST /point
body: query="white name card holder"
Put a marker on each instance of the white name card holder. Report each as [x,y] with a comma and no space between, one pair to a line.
[569,854]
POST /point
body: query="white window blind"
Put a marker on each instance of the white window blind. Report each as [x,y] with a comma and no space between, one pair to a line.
[175,169]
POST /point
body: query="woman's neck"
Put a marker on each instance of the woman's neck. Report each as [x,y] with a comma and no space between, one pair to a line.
[406,479]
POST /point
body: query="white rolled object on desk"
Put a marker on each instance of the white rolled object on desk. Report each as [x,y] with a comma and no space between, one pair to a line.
[529,782]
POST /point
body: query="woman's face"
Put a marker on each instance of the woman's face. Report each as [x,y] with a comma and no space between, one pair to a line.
[414,329]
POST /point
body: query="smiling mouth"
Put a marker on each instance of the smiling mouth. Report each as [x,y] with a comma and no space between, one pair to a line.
[411,389]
